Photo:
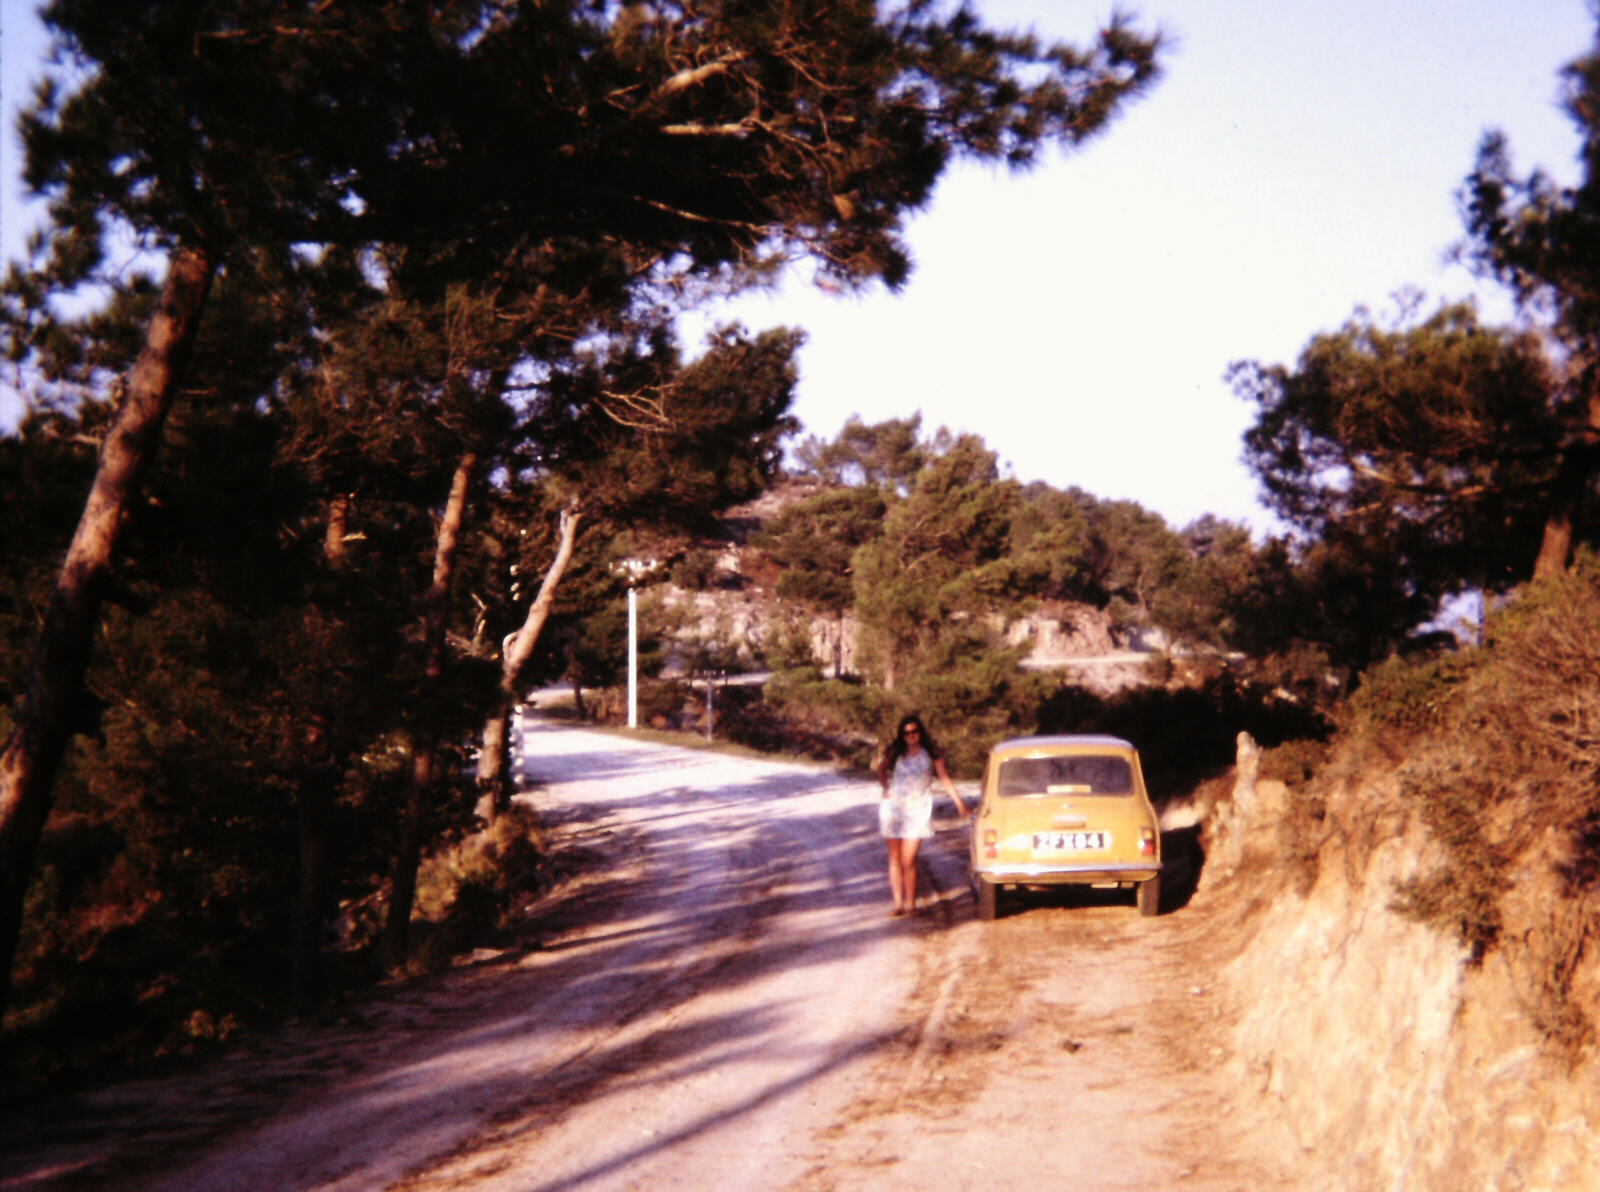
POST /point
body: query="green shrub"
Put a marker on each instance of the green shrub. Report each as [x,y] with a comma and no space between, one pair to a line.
[845,712]
[1409,697]
[1188,734]
[968,707]
[467,893]
[1303,829]
[695,570]
[1295,762]
[1301,833]
[1462,896]
[788,646]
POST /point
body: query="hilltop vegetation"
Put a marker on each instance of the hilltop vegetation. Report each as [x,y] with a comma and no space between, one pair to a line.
[901,571]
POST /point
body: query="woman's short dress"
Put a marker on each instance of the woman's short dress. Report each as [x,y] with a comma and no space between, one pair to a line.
[906,812]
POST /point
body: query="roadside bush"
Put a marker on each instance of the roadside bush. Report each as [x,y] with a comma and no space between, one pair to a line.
[847,711]
[746,717]
[695,570]
[1301,834]
[1295,762]
[1188,734]
[661,703]
[1401,697]
[787,645]
[159,910]
[1464,894]
[469,894]
[1303,829]
[969,706]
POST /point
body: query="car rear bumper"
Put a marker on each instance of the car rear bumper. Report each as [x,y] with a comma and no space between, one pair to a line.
[1063,875]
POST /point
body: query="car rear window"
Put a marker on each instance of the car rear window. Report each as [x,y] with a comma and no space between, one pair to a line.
[1080,774]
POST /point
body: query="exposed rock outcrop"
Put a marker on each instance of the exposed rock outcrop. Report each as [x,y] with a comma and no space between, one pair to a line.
[743,616]
[1059,631]
[1397,1062]
[738,611]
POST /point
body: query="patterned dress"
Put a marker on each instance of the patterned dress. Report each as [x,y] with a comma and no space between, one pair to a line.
[906,812]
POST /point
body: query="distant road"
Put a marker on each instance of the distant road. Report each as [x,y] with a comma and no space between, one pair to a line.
[1093,661]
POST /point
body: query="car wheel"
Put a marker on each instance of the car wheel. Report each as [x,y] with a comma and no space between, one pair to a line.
[1149,895]
[988,900]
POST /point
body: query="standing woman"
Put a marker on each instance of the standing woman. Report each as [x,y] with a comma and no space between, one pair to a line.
[905,812]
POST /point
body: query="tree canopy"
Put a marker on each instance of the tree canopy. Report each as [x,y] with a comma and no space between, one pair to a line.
[1543,241]
[455,236]
[1433,441]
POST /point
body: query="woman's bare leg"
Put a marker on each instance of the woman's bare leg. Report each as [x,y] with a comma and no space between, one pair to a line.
[908,873]
[895,870]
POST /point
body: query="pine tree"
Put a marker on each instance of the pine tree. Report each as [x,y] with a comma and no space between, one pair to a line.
[1433,443]
[1543,241]
[687,144]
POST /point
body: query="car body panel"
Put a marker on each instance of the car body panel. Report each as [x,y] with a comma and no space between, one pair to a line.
[1065,810]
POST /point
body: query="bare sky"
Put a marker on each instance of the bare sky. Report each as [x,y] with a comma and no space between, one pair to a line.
[1298,160]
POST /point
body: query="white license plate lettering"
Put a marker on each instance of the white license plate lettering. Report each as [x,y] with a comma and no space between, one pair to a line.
[1069,842]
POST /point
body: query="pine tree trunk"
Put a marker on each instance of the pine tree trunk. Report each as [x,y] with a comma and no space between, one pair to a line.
[494,783]
[413,827]
[333,542]
[44,723]
[1566,498]
[305,965]
[313,805]
[1555,548]
[494,759]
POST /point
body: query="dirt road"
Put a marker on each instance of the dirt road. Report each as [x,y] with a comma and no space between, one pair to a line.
[724,1003]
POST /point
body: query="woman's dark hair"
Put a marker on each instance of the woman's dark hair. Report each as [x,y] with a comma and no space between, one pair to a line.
[897,747]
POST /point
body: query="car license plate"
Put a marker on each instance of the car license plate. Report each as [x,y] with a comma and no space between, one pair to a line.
[1070,842]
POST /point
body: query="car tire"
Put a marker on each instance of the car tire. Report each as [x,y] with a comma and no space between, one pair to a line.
[988,900]
[1149,897]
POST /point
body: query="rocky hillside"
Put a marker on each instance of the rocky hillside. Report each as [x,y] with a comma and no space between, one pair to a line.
[737,608]
[1398,1058]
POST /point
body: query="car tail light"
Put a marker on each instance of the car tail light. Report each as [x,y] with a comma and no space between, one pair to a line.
[1147,842]
[991,844]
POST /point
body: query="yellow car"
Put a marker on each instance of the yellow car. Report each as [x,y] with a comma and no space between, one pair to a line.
[1065,810]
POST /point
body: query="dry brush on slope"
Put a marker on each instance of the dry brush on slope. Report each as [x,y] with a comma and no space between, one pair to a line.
[1425,985]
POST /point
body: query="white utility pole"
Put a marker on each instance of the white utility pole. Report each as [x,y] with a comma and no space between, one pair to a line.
[633,656]
[635,570]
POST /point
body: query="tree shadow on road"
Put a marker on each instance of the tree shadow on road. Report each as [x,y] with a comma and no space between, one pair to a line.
[730,883]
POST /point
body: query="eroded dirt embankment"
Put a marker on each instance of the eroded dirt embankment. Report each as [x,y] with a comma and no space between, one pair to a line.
[1396,1062]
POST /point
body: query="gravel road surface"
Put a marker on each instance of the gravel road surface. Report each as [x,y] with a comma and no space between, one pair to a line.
[719,999]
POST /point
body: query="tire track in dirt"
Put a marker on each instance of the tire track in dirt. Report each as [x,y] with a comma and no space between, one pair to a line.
[1066,1046]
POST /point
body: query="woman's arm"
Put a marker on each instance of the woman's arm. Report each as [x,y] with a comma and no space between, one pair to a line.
[950,787]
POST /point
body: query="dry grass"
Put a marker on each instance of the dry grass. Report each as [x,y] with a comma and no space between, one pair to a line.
[1505,773]
[468,894]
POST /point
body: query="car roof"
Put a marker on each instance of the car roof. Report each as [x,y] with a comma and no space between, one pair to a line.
[1076,742]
